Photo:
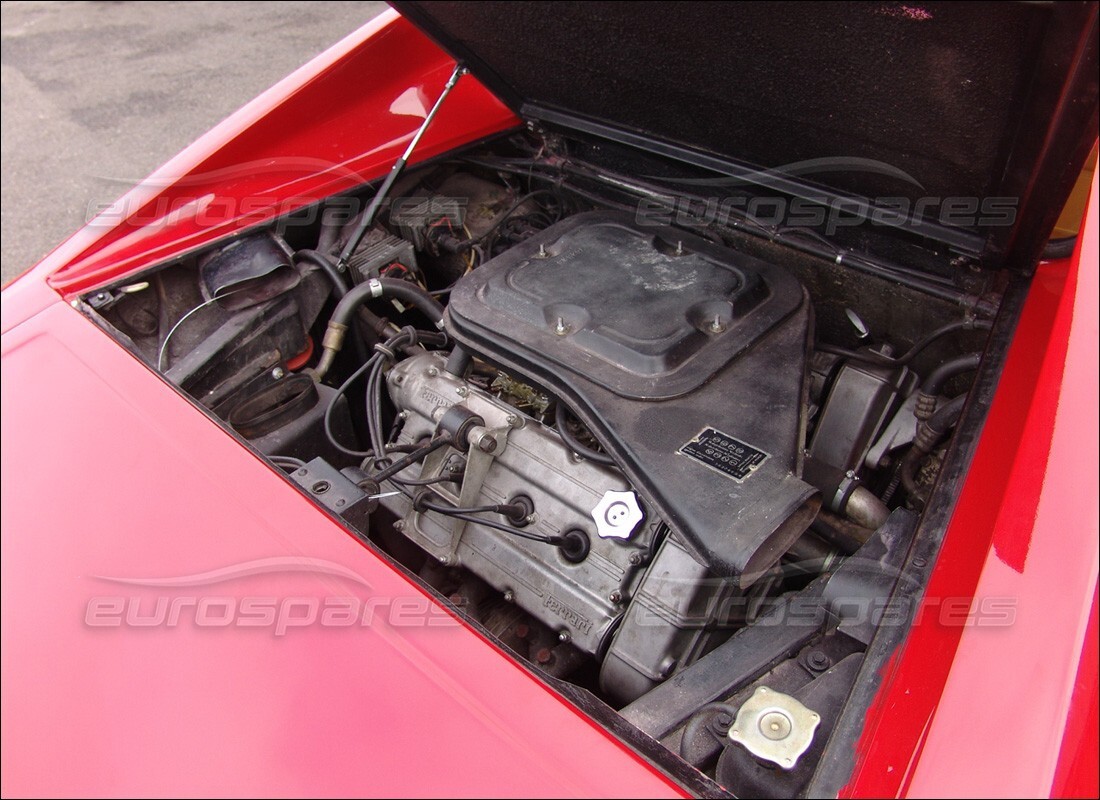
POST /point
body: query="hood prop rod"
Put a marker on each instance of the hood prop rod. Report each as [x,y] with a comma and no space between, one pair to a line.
[398,167]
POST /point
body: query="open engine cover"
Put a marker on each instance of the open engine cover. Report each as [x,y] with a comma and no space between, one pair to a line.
[685,359]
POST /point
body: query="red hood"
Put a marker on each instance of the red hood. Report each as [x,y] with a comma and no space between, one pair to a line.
[251,706]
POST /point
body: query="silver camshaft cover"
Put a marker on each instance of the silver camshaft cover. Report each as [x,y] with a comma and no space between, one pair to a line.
[582,600]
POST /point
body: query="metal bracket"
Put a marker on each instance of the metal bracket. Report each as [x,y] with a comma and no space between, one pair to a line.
[479,459]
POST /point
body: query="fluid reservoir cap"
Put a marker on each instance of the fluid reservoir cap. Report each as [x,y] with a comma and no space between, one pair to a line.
[617,515]
[774,727]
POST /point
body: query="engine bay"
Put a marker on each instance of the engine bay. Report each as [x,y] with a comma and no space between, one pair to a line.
[674,467]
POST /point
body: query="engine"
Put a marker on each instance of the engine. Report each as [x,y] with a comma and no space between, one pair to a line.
[663,465]
[658,340]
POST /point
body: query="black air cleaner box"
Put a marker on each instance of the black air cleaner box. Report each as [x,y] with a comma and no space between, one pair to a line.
[687,361]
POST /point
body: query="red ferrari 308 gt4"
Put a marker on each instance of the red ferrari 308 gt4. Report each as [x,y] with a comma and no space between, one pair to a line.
[545,399]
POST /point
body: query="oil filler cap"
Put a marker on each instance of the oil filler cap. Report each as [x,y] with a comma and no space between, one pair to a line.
[774,727]
[617,515]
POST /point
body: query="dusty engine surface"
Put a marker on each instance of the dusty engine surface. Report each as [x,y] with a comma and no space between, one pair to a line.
[686,360]
[621,590]
[634,457]
[577,593]
[666,348]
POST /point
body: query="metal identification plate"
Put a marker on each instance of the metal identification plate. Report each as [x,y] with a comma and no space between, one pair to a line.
[722,453]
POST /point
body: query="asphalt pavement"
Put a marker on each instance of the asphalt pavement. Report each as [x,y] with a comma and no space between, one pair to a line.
[96,95]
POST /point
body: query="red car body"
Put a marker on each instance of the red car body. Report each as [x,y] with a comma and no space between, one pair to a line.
[434,708]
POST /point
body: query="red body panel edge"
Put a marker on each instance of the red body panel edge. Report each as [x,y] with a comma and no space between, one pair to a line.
[417,710]
[336,123]
[1008,708]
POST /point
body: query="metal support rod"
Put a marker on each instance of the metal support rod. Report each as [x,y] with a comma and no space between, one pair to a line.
[395,172]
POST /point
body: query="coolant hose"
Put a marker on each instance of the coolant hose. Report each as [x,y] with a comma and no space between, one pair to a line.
[328,266]
[337,329]
[842,492]
[330,230]
[388,287]
[929,433]
[938,378]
